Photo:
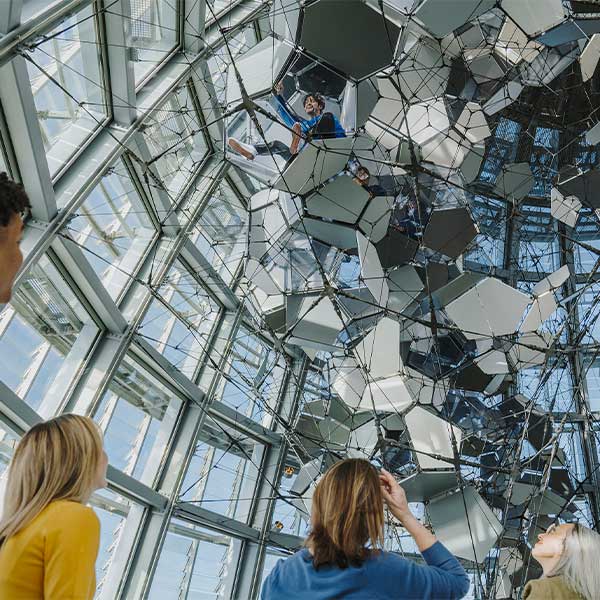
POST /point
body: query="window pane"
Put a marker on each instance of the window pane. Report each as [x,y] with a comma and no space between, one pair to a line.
[175,140]
[218,63]
[221,231]
[221,476]
[586,247]
[112,510]
[253,377]
[588,306]
[37,332]
[137,415]
[154,34]
[538,242]
[71,58]
[488,248]
[192,563]
[591,371]
[178,323]
[550,388]
[114,228]
[285,513]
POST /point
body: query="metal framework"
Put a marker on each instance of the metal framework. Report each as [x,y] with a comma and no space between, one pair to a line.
[149,504]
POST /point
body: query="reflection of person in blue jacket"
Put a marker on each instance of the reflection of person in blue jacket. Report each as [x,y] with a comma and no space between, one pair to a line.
[411,221]
[319,125]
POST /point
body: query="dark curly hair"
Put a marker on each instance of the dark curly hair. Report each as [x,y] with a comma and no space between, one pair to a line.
[318,97]
[13,199]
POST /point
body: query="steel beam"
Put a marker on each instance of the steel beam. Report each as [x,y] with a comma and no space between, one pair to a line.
[10,15]
[22,121]
[120,68]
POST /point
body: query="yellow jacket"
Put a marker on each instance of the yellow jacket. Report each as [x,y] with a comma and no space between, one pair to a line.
[52,558]
[549,588]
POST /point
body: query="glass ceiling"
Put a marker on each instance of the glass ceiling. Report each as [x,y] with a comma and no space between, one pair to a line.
[230,327]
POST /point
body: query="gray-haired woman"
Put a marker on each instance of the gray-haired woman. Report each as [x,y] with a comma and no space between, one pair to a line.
[569,555]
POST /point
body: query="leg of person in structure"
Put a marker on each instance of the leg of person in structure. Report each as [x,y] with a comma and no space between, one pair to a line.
[240,148]
[296,137]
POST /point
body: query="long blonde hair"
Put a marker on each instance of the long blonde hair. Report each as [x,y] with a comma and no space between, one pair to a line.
[347,512]
[578,564]
[57,459]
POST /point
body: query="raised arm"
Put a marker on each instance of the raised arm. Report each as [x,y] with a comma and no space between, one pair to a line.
[286,114]
[444,576]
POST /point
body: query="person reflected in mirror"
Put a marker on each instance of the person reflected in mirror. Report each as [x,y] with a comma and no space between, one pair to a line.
[409,220]
[14,204]
[251,151]
[319,125]
[49,538]
[568,554]
[363,177]
[343,556]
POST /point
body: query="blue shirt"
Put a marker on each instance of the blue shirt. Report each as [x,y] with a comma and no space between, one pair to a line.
[383,576]
[290,118]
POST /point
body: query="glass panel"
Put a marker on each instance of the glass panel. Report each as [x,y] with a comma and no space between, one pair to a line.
[68,58]
[591,371]
[222,474]
[285,514]
[252,377]
[488,248]
[137,415]
[193,563]
[113,227]
[586,246]
[8,443]
[178,323]
[112,510]
[502,149]
[37,332]
[175,140]
[221,232]
[544,160]
[538,242]
[218,63]
[154,34]
[570,441]
[550,388]
[214,7]
[589,312]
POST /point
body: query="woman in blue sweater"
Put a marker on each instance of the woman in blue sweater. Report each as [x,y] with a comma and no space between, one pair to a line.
[347,514]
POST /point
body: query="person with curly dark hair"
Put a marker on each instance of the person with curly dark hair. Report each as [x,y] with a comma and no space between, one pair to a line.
[318,126]
[14,204]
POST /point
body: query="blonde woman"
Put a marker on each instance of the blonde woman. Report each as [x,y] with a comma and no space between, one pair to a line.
[569,555]
[48,537]
[343,556]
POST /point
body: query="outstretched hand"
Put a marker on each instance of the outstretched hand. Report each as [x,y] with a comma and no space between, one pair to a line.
[393,495]
[279,88]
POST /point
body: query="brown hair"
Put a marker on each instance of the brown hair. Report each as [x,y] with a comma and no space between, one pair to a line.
[347,512]
[13,199]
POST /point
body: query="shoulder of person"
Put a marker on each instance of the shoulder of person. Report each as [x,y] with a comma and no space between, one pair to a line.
[74,514]
[548,588]
[387,559]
